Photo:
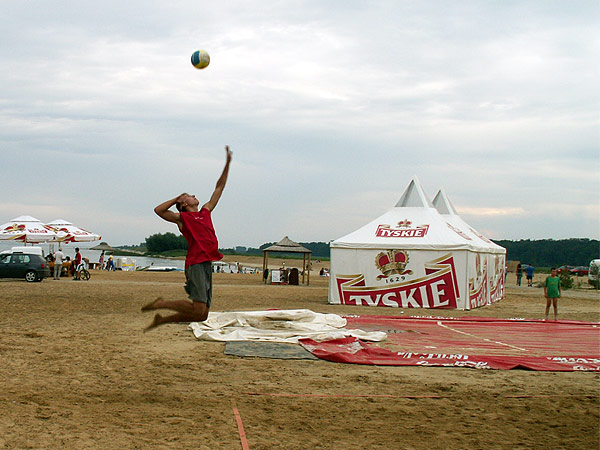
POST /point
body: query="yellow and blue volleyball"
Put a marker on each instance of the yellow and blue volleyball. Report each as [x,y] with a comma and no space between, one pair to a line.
[200,59]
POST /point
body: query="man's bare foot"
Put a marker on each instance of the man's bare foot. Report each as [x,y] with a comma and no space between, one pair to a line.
[156,322]
[152,305]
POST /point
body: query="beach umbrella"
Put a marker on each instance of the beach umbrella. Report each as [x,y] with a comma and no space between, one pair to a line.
[67,232]
[27,229]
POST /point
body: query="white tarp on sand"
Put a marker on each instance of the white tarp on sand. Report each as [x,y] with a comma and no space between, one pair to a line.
[277,326]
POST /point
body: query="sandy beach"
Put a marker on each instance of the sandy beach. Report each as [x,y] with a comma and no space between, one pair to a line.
[78,373]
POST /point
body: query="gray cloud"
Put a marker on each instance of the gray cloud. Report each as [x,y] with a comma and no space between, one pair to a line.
[330,109]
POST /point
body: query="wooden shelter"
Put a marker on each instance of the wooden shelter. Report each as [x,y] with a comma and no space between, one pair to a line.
[286,245]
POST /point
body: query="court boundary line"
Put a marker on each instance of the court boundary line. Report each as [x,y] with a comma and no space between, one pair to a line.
[240,426]
[439,322]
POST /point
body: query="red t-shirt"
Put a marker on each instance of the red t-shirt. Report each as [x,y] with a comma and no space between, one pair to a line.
[199,233]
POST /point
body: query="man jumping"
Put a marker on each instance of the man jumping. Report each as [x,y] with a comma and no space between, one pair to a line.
[203,248]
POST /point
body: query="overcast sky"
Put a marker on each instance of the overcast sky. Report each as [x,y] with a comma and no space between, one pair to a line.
[330,108]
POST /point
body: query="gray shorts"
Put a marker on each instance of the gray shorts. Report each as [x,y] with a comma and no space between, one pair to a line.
[198,282]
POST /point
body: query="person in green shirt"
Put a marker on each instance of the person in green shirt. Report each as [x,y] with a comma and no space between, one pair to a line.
[552,292]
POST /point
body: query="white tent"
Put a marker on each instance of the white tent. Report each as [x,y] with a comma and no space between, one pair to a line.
[487,264]
[414,257]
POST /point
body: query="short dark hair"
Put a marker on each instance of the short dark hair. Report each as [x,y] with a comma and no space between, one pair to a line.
[554,268]
[178,204]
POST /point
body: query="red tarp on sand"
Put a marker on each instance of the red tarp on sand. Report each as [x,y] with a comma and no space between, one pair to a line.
[479,342]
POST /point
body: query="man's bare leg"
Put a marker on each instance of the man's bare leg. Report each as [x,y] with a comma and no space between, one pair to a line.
[193,312]
[182,306]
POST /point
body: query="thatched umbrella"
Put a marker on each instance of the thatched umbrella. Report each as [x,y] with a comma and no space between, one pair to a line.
[103,246]
[286,245]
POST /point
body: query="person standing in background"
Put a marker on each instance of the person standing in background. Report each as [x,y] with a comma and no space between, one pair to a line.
[110,265]
[76,263]
[552,292]
[58,260]
[529,272]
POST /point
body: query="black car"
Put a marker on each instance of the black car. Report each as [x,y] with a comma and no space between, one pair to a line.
[23,265]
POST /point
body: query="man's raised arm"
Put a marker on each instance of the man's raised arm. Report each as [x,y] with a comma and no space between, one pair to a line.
[214,199]
[165,213]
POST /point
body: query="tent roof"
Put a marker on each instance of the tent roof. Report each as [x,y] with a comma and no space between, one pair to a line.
[446,209]
[25,219]
[286,245]
[414,224]
[59,222]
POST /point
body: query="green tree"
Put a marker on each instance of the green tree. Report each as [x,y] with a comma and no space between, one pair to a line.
[158,243]
[566,280]
[548,252]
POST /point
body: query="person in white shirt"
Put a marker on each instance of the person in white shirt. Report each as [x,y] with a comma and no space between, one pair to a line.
[58,260]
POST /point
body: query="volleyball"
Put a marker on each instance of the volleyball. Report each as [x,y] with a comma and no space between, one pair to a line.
[200,59]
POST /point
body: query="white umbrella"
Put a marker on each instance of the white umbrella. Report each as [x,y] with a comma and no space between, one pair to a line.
[28,230]
[67,232]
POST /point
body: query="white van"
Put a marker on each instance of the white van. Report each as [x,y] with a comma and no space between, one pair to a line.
[26,250]
[593,272]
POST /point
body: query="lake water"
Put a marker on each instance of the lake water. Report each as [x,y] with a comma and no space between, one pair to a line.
[140,261]
[94,255]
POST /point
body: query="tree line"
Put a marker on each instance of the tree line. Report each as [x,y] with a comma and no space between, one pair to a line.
[541,253]
[551,253]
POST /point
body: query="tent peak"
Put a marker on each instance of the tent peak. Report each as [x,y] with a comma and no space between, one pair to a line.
[414,196]
[25,219]
[59,222]
[442,203]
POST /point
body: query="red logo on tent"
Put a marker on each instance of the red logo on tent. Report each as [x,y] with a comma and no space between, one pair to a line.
[478,286]
[459,232]
[483,238]
[437,289]
[392,262]
[403,230]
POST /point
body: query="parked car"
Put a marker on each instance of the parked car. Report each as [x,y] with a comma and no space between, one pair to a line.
[21,264]
[580,271]
[565,268]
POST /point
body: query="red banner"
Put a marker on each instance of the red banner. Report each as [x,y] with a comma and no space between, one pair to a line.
[478,342]
[437,289]
[351,350]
